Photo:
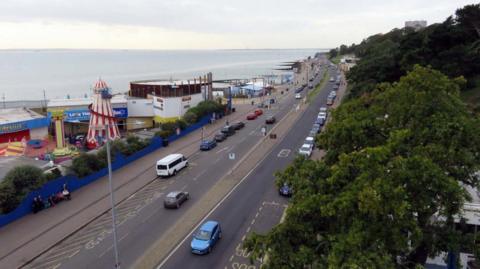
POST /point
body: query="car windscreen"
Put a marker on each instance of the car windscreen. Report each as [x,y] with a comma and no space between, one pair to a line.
[202,235]
[161,167]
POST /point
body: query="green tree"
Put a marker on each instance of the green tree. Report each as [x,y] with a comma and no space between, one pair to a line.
[397,159]
[17,183]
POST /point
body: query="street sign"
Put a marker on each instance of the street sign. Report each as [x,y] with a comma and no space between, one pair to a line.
[231,156]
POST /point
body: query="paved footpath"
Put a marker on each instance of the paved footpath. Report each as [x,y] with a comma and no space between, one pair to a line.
[28,237]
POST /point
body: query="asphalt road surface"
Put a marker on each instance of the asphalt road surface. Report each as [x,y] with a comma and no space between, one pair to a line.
[141,218]
[255,204]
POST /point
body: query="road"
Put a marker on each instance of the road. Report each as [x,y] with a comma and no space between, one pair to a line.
[254,205]
[141,218]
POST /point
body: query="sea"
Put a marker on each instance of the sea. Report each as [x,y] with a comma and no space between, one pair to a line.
[61,73]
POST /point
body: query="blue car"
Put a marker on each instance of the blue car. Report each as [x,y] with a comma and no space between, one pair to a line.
[206,237]
[285,190]
[208,144]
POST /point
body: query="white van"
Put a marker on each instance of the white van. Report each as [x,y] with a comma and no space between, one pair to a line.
[171,164]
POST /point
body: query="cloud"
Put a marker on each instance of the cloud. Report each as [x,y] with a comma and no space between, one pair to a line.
[327,22]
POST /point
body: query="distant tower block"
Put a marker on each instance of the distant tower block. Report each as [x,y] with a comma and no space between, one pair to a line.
[101,116]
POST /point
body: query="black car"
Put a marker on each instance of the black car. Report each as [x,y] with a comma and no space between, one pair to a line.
[270,120]
[175,199]
[238,125]
[228,130]
[219,137]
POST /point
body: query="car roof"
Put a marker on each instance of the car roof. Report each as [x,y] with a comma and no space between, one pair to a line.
[208,226]
[306,145]
[309,138]
[173,194]
[170,158]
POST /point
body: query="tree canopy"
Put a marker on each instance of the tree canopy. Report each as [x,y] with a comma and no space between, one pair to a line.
[452,47]
[387,192]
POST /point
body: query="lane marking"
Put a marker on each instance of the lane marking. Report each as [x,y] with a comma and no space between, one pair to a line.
[188,236]
[283,153]
[223,149]
[73,254]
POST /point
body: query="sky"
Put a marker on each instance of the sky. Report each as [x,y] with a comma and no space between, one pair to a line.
[207,24]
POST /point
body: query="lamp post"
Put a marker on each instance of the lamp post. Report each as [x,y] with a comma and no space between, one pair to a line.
[112,200]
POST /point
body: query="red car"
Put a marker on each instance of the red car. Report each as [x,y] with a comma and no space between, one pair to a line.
[251,116]
[258,112]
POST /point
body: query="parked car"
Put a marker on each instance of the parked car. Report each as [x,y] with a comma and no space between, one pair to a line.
[316,128]
[322,115]
[285,190]
[219,137]
[332,79]
[272,101]
[175,199]
[305,150]
[261,105]
[323,109]
[298,90]
[228,130]
[270,120]
[208,144]
[258,112]
[329,101]
[313,133]
[251,116]
[320,121]
[206,237]
[310,140]
[238,125]
[298,96]
[333,94]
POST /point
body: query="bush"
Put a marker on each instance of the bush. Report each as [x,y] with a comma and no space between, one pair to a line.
[190,117]
[206,107]
[9,200]
[86,164]
[181,123]
[17,183]
[164,133]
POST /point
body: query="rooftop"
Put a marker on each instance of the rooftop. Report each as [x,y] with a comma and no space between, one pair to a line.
[165,82]
[116,99]
[12,115]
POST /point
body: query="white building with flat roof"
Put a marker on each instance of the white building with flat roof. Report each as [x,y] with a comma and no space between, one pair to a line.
[417,25]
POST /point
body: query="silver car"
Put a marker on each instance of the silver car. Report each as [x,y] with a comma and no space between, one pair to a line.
[175,199]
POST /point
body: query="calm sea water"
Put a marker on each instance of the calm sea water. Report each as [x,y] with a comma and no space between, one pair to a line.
[25,74]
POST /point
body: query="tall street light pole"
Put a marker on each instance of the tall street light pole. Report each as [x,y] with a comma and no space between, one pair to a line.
[112,200]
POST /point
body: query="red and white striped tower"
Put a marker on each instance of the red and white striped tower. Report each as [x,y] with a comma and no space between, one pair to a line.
[101,116]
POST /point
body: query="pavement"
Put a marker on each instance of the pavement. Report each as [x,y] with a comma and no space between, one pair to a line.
[253,205]
[33,234]
[35,240]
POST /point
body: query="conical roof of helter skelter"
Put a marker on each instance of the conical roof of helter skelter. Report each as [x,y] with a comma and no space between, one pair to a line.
[99,85]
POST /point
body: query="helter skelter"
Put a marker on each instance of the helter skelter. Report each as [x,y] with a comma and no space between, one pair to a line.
[101,116]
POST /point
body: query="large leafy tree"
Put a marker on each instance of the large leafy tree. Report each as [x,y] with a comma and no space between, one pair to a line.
[392,181]
[452,47]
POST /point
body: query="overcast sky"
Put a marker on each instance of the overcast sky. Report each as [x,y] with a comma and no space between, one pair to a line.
[207,24]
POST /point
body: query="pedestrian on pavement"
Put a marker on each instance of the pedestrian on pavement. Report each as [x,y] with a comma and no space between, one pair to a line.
[35,207]
[264,131]
[51,200]
[40,203]
[66,192]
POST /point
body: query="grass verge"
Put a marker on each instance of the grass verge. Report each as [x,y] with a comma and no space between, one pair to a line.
[317,89]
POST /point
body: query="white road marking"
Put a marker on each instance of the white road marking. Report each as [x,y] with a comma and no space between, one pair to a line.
[73,254]
[283,153]
[188,236]
[223,149]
